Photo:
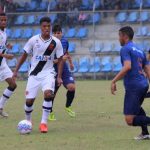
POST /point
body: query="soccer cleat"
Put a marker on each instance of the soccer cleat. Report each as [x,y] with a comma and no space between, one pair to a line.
[51,117]
[70,112]
[142,137]
[43,128]
[3,114]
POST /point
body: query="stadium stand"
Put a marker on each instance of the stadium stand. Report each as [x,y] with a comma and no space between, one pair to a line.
[93,37]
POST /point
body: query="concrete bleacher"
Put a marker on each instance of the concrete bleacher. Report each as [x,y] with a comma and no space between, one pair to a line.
[90,51]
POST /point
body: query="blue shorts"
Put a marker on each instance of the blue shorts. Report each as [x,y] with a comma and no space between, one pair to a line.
[67,76]
[133,100]
[67,79]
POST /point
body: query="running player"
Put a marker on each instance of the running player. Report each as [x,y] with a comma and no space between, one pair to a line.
[134,63]
[5,72]
[68,80]
[42,73]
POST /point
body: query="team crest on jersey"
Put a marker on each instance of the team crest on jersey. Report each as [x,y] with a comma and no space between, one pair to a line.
[51,47]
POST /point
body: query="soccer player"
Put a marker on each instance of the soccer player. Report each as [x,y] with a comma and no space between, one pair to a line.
[5,72]
[135,66]
[42,73]
[68,80]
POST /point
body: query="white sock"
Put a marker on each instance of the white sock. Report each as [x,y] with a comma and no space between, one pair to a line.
[47,106]
[6,95]
[28,111]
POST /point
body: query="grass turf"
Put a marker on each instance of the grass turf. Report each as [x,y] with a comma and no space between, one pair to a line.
[99,122]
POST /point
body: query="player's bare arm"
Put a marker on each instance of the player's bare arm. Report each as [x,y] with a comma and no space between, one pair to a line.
[60,68]
[20,62]
[7,56]
[70,62]
[120,75]
[147,71]
[68,57]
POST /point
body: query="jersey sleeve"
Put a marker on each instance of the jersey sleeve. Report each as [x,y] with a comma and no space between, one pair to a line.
[59,49]
[125,54]
[28,46]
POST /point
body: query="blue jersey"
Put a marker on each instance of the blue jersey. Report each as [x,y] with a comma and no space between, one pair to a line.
[65,45]
[135,78]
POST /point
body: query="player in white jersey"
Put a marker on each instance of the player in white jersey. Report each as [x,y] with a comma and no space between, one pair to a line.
[5,72]
[41,74]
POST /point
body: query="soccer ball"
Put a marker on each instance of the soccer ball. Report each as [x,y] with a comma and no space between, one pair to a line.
[24,127]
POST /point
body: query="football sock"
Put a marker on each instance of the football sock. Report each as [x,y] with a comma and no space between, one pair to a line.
[47,106]
[28,110]
[70,96]
[6,95]
[144,127]
[141,121]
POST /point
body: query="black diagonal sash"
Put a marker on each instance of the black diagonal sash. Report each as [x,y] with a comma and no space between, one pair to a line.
[1,58]
[41,64]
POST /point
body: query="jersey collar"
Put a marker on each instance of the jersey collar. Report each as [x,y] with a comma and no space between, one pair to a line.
[45,41]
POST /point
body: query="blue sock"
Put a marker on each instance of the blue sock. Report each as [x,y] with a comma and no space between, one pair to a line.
[141,120]
[144,127]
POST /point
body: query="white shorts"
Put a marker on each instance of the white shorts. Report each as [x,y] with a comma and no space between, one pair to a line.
[35,82]
[5,73]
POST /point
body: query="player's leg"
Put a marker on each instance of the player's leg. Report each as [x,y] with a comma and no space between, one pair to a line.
[31,92]
[7,76]
[70,94]
[134,113]
[69,84]
[48,86]
[28,107]
[52,115]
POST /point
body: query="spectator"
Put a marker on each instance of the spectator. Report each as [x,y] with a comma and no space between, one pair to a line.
[1,9]
[72,16]
[117,5]
[78,3]
[83,17]
[62,5]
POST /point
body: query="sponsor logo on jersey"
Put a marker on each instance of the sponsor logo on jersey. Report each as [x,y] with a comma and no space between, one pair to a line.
[43,58]
[137,50]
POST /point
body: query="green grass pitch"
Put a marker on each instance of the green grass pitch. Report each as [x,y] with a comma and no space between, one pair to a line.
[99,122]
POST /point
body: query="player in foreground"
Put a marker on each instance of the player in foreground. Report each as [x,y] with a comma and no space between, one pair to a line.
[134,63]
[5,72]
[42,74]
[68,80]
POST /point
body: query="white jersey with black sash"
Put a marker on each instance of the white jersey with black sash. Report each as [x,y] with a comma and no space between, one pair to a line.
[43,53]
[3,40]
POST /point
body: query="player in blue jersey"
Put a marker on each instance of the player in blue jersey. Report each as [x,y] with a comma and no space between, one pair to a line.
[68,79]
[135,66]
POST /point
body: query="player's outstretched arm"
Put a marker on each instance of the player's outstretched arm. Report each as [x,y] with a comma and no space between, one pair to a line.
[20,62]
[120,75]
[7,56]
